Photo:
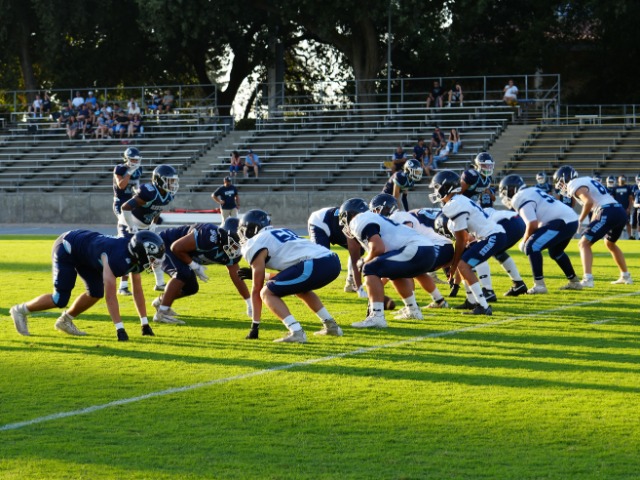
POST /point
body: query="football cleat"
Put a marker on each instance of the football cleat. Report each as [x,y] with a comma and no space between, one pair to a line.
[253,334]
[489,295]
[147,331]
[623,280]
[372,321]
[156,304]
[293,337]
[441,304]
[479,310]
[122,335]
[124,291]
[586,282]
[455,288]
[350,286]
[19,319]
[330,328]
[159,288]
[436,279]
[467,305]
[409,313]
[518,288]
[65,324]
[574,284]
[537,290]
[164,317]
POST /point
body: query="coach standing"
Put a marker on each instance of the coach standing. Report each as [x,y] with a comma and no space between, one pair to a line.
[227,197]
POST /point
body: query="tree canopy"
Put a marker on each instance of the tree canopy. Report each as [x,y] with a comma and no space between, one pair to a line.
[73,43]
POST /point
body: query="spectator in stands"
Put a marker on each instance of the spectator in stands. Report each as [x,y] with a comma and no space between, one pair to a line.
[63,117]
[167,102]
[398,159]
[156,104]
[454,143]
[419,152]
[120,123]
[72,127]
[77,101]
[251,161]
[35,109]
[235,163]
[440,157]
[435,95]
[133,108]
[455,94]
[437,140]
[46,104]
[227,197]
[135,126]
[91,101]
[510,94]
[102,129]
[88,125]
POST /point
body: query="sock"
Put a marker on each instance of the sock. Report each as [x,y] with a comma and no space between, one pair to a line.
[119,325]
[24,309]
[484,275]
[144,321]
[70,317]
[323,314]
[410,301]
[539,282]
[479,296]
[255,325]
[588,276]
[248,301]
[436,294]
[377,308]
[163,308]
[469,293]
[510,267]
[159,274]
[292,324]
[124,284]
[625,274]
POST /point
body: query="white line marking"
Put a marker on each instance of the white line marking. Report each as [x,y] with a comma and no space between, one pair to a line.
[604,320]
[170,391]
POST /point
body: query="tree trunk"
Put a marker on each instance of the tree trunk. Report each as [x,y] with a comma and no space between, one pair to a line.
[23,29]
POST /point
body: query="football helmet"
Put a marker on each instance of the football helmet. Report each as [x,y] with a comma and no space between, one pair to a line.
[509,186]
[413,170]
[638,180]
[597,178]
[562,177]
[611,181]
[541,177]
[440,225]
[252,222]
[228,238]
[147,249]
[349,209]
[383,204]
[484,164]
[165,177]
[622,180]
[444,182]
[132,157]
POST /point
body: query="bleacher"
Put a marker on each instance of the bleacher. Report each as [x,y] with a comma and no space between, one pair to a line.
[608,146]
[36,155]
[312,148]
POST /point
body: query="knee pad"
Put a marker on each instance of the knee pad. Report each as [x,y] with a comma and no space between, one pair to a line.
[191,287]
[502,257]
[61,299]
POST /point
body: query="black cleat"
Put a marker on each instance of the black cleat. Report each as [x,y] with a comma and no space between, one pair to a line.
[147,332]
[455,288]
[467,305]
[122,335]
[252,335]
[518,288]
[489,295]
[479,311]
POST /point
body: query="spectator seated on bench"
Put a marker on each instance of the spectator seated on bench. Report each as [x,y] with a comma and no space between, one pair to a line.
[251,161]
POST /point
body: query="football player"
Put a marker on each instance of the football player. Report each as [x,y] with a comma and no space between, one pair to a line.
[126,178]
[476,182]
[393,251]
[302,266]
[98,260]
[550,225]
[623,194]
[324,229]
[143,210]
[608,220]
[400,183]
[189,249]
[467,218]
[542,183]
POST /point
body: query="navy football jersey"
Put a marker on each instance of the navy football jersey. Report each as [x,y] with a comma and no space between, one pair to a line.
[121,195]
[477,185]
[207,250]
[399,178]
[86,248]
[154,203]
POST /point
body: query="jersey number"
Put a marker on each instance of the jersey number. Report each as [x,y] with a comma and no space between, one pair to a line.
[284,235]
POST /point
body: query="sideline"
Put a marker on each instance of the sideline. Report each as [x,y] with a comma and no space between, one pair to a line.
[171,391]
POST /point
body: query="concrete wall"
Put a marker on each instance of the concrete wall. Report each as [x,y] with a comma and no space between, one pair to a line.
[287,209]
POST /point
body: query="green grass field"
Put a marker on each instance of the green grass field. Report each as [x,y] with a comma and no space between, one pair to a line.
[547,388]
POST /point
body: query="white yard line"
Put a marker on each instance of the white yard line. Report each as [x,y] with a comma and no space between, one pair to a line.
[171,391]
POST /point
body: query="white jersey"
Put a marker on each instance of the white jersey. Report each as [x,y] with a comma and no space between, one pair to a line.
[405,218]
[394,235]
[596,190]
[534,204]
[284,248]
[465,214]
[499,215]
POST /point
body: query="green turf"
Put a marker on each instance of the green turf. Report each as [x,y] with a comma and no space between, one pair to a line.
[538,391]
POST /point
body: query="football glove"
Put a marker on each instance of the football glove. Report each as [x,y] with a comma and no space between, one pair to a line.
[245,273]
[199,271]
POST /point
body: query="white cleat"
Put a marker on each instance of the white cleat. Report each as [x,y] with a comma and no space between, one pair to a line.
[330,328]
[537,290]
[574,284]
[372,321]
[156,304]
[66,325]
[408,313]
[586,282]
[293,337]
[434,304]
[19,319]
[623,280]
[164,317]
